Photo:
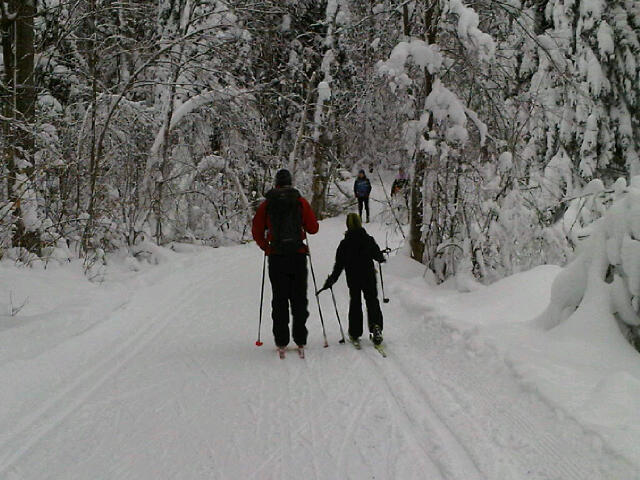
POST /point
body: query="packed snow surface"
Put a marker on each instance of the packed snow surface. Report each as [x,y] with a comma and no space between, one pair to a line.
[154,375]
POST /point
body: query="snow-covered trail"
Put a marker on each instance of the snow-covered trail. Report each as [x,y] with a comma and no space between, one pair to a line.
[170,386]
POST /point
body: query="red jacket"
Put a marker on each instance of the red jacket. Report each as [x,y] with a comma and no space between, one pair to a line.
[261,230]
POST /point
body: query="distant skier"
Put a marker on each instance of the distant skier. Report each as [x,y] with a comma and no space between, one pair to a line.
[279,228]
[362,190]
[400,183]
[401,186]
[355,255]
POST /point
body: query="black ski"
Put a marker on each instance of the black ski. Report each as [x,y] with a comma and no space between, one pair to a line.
[380,350]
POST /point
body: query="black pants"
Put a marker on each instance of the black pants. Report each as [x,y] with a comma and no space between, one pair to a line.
[363,201]
[288,275]
[374,314]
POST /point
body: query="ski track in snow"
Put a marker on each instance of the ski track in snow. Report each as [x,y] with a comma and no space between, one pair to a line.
[70,398]
[486,403]
[177,390]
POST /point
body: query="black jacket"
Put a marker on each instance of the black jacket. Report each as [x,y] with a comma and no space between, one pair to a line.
[355,255]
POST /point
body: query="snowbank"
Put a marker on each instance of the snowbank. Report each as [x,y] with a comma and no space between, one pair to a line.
[67,322]
[42,309]
[527,292]
[47,303]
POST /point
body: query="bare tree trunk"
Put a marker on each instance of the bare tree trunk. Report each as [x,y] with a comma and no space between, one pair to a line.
[416,214]
[18,43]
[246,206]
[175,57]
[320,174]
[418,194]
[293,158]
[93,159]
[6,99]
[164,159]
[406,28]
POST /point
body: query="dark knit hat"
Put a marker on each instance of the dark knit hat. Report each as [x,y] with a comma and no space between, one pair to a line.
[283,178]
[353,221]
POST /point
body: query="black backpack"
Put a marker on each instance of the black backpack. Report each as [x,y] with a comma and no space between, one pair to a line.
[285,219]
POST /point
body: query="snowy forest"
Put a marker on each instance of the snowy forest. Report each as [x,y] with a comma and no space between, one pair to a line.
[146,297]
[129,123]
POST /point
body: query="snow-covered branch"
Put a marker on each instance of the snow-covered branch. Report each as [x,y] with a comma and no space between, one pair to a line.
[5,15]
[468,30]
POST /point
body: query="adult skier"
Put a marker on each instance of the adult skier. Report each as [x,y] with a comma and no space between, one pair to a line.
[279,228]
[355,255]
[362,190]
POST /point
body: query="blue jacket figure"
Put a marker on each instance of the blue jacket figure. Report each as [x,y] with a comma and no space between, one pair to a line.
[355,255]
[362,189]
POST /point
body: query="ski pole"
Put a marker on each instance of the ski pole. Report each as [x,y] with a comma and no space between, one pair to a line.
[335,305]
[315,288]
[384,298]
[264,266]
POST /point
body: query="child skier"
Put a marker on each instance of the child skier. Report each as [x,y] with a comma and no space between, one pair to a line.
[355,255]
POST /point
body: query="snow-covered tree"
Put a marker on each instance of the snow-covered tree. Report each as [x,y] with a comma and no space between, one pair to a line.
[166,120]
[584,90]
[603,282]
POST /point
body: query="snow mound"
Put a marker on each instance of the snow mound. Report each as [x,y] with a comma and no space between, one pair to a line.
[526,293]
[602,285]
[614,400]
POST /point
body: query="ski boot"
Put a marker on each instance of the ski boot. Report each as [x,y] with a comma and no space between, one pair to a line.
[376,335]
